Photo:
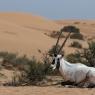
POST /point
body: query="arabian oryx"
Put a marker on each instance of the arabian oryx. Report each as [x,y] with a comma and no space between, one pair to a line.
[73,73]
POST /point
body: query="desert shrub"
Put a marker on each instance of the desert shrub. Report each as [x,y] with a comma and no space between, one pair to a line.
[47,60]
[55,34]
[76,22]
[89,54]
[33,72]
[7,55]
[76,44]
[17,80]
[21,62]
[70,28]
[74,58]
[85,56]
[77,36]
[11,60]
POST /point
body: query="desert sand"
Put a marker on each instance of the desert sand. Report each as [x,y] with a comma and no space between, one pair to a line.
[26,34]
[32,90]
[38,90]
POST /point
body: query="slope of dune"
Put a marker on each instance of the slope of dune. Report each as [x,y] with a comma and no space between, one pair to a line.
[87,27]
[24,33]
[28,21]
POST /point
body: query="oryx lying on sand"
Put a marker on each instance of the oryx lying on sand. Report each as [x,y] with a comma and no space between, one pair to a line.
[74,73]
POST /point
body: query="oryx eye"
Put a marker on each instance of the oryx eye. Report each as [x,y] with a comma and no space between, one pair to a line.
[58,60]
[53,62]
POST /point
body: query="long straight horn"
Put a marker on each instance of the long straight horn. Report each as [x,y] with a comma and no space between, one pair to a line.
[58,41]
[64,42]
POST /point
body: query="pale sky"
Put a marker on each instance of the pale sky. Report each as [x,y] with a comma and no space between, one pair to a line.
[53,9]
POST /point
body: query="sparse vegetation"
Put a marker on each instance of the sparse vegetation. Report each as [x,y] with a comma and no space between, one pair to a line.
[18,79]
[31,71]
[89,54]
[11,60]
[76,44]
[55,34]
[86,56]
[76,22]
[74,58]
[77,36]
[70,28]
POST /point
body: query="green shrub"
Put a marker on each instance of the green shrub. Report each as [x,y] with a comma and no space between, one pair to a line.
[77,36]
[76,44]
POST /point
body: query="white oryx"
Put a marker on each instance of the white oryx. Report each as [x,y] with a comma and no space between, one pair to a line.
[75,73]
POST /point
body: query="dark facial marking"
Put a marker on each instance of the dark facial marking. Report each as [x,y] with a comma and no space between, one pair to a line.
[55,55]
[58,63]
[53,62]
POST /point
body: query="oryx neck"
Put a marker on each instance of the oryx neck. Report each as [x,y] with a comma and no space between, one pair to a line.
[65,62]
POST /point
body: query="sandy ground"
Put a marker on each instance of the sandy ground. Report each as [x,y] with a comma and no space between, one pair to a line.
[24,33]
[36,90]
[32,90]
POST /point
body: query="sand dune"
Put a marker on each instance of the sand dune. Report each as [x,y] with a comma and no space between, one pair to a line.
[25,33]
[87,27]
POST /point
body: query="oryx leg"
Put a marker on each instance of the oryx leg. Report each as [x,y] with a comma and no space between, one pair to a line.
[91,83]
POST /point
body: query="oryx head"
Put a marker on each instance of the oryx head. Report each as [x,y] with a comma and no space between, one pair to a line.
[57,56]
[56,61]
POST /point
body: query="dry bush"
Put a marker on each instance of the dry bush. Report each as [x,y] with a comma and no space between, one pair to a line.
[55,34]
[76,22]
[85,56]
[31,71]
[71,28]
[77,36]
[76,44]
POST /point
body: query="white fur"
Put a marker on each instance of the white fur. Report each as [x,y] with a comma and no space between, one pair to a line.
[75,72]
